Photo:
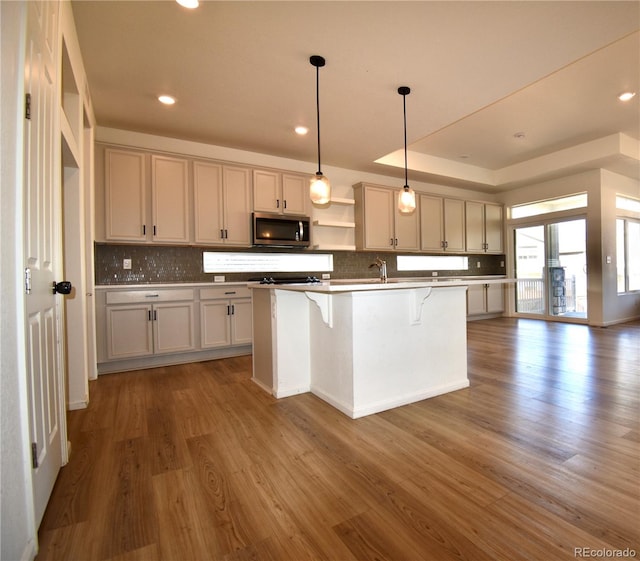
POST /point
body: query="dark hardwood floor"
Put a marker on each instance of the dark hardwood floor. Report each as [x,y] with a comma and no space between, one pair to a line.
[539,457]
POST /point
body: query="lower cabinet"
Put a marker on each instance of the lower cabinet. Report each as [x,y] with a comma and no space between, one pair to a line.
[225,317]
[137,328]
[485,299]
[145,327]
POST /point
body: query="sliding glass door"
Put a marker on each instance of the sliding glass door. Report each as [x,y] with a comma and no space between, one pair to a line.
[551,269]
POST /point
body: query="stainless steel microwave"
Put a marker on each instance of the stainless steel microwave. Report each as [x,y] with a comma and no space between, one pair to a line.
[281,230]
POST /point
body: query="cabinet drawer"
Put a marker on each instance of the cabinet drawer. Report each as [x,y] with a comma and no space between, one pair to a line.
[131,296]
[224,292]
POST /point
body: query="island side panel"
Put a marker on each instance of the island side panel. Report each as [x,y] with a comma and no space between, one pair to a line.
[263,365]
[292,345]
[332,353]
[398,360]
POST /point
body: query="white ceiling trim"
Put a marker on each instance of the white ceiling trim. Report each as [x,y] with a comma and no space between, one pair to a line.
[595,154]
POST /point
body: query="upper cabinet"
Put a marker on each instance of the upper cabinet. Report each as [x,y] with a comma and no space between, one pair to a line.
[442,224]
[125,196]
[280,192]
[128,217]
[484,223]
[222,204]
[170,199]
[379,225]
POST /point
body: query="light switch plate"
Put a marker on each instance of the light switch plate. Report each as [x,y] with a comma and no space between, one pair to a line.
[126,263]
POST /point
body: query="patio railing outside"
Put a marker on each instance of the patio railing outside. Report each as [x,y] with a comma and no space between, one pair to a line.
[530,295]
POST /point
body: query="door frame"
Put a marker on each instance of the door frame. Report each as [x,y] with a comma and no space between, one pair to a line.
[542,220]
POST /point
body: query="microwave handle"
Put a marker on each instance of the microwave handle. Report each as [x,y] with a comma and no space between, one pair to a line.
[301,230]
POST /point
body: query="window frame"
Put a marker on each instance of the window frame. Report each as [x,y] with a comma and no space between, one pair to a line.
[628,269]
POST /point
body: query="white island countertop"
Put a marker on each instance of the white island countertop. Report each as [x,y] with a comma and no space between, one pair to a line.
[356,285]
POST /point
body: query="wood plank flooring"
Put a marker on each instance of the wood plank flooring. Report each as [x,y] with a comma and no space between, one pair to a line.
[540,456]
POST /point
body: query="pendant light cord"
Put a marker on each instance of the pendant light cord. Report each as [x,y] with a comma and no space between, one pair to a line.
[318,114]
[404,107]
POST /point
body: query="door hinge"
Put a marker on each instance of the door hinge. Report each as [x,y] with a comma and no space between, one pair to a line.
[27,280]
[34,455]
[27,106]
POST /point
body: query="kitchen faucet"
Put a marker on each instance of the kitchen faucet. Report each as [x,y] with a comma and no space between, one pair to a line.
[382,266]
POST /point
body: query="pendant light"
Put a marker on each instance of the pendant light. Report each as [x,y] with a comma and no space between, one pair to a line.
[407,197]
[320,188]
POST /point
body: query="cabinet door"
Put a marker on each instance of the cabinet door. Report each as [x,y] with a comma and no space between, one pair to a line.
[495,298]
[406,227]
[173,327]
[129,331]
[475,227]
[267,191]
[241,324]
[476,299]
[207,199]
[378,218]
[431,223]
[125,196]
[454,226]
[170,199]
[215,330]
[295,194]
[236,183]
[493,228]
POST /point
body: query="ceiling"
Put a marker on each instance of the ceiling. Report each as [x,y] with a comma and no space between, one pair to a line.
[502,93]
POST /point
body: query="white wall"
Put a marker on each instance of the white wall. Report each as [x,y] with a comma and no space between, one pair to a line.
[18,534]
[605,306]
[625,306]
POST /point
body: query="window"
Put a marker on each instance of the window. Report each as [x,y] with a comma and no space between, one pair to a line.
[432,263]
[552,205]
[628,254]
[627,203]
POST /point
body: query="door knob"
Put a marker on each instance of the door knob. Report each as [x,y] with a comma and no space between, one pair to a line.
[62,287]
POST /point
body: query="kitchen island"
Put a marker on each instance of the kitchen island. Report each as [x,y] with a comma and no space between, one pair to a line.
[362,346]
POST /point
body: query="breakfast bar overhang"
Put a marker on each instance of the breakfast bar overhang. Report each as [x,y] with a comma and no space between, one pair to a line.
[363,347]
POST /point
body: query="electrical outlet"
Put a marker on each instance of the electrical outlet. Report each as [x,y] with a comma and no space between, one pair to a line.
[326,276]
[502,263]
[478,264]
[434,273]
[218,278]
[126,263]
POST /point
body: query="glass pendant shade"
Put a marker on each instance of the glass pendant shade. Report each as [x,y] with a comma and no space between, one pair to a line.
[320,189]
[407,200]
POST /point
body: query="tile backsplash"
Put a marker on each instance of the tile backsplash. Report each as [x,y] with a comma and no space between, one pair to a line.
[177,264]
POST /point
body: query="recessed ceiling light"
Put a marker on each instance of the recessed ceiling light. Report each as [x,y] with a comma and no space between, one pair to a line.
[626,96]
[191,4]
[166,99]
[301,130]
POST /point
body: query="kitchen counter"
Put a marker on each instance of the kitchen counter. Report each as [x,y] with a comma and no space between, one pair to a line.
[351,285]
[362,345]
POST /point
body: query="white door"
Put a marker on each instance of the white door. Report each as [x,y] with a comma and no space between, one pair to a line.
[42,252]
